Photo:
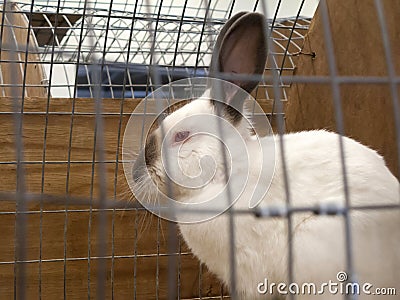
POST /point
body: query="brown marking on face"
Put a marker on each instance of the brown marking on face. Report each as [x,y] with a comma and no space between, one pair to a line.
[151,152]
[232,115]
[228,112]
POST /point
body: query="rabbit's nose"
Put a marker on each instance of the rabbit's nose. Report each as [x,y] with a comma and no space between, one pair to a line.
[138,169]
[137,174]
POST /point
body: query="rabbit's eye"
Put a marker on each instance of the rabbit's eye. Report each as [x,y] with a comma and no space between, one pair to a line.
[181,135]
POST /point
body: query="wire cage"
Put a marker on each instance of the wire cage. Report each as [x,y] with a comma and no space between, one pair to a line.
[119,38]
[71,74]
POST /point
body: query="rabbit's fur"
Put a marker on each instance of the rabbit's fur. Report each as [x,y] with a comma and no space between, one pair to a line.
[315,177]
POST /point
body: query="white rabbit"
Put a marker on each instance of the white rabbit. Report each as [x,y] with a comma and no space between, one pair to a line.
[315,177]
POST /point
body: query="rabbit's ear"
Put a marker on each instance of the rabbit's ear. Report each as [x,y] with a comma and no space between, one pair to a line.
[241,48]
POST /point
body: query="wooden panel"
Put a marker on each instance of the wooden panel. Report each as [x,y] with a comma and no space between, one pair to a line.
[367,108]
[12,58]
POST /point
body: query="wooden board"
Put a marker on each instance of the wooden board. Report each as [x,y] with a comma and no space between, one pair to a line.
[139,240]
[13,56]
[367,108]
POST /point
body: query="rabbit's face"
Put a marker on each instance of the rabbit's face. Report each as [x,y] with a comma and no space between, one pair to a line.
[185,149]
[179,145]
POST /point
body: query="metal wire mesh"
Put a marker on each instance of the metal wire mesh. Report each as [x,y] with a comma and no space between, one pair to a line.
[121,50]
[182,44]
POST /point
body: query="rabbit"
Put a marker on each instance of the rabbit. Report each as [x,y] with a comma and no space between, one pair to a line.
[314,176]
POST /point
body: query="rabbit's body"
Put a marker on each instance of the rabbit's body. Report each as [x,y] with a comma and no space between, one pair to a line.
[315,177]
